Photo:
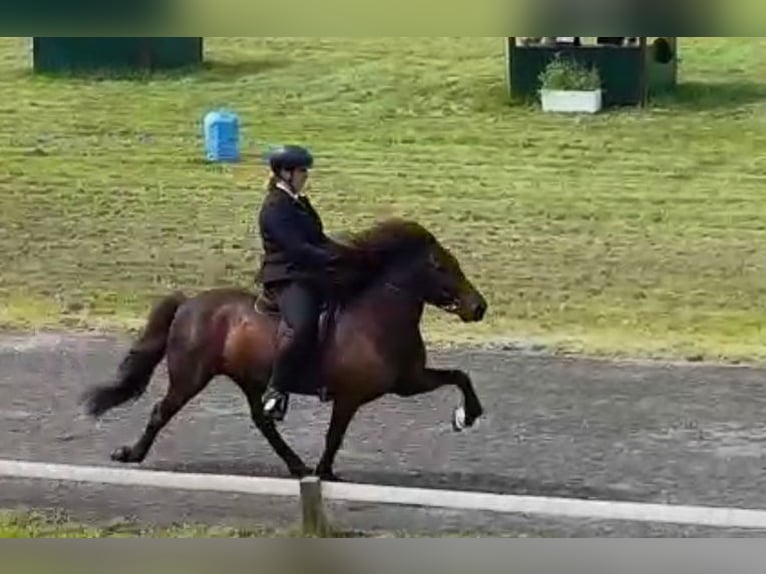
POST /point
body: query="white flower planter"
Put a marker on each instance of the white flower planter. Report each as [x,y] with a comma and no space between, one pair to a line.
[571,101]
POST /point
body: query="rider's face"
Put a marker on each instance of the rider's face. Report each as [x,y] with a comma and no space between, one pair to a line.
[300,176]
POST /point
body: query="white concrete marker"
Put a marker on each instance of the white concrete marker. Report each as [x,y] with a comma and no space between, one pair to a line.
[419,497]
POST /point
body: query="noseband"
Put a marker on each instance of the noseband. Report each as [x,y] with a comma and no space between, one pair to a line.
[449,307]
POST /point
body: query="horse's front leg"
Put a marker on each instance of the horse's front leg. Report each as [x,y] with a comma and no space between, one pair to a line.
[343,410]
[429,380]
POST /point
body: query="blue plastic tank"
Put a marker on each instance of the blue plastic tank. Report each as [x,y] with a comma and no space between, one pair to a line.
[221,130]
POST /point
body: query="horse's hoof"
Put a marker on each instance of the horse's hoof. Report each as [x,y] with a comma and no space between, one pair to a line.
[124,454]
[462,420]
[300,472]
[329,476]
[459,419]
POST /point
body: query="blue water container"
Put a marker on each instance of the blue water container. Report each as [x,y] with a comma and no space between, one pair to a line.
[221,129]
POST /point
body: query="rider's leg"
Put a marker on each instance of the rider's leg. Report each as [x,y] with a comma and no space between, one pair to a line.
[299,306]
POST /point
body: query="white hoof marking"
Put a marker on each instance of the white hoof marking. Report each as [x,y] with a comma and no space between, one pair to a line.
[458,419]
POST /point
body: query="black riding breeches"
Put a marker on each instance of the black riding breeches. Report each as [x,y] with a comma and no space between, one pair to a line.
[300,305]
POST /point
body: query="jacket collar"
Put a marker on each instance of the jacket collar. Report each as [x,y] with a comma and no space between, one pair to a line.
[281,185]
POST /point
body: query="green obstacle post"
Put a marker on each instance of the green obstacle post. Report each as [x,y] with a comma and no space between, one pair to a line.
[81,54]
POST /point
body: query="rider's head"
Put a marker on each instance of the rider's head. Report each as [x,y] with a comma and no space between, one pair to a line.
[291,164]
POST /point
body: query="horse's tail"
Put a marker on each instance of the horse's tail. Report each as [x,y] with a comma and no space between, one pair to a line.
[137,367]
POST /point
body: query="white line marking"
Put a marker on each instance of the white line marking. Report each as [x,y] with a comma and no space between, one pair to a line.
[555,507]
[149,478]
[419,497]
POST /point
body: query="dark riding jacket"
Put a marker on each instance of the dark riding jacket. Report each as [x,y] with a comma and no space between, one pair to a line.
[295,246]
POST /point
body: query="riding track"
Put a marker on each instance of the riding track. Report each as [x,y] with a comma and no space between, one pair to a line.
[555,426]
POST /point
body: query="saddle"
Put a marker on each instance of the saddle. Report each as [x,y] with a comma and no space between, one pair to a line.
[266,304]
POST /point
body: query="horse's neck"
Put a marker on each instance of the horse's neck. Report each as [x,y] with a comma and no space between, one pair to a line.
[392,278]
[395,292]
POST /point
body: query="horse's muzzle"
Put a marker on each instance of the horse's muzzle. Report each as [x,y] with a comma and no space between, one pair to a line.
[474,308]
[480,311]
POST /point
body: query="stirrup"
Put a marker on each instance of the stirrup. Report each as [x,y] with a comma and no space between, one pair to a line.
[275,407]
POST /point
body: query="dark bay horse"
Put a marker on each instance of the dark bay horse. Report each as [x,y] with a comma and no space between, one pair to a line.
[372,346]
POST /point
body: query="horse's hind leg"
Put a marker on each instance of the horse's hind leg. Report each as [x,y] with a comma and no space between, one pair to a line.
[185,382]
[269,430]
[431,379]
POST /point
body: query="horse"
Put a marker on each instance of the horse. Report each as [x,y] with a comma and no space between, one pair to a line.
[370,343]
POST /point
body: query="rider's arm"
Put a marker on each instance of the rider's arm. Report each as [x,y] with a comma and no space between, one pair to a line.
[286,231]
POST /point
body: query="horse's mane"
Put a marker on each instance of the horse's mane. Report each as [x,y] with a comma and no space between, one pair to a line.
[384,243]
[389,237]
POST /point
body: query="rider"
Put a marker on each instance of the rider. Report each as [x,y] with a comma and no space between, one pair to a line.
[298,259]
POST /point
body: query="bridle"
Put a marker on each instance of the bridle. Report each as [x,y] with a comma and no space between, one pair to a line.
[450,306]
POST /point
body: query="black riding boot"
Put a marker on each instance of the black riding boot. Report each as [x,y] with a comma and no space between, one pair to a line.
[299,306]
[275,398]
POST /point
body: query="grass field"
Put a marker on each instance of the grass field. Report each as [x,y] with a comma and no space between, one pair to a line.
[631,232]
[49,525]
[25,524]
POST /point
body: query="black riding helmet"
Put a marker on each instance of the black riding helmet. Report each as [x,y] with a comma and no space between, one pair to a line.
[290,157]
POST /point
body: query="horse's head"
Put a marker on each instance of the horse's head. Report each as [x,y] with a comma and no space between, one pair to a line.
[445,285]
[409,250]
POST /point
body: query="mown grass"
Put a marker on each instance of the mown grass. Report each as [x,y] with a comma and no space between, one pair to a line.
[50,524]
[23,524]
[633,232]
